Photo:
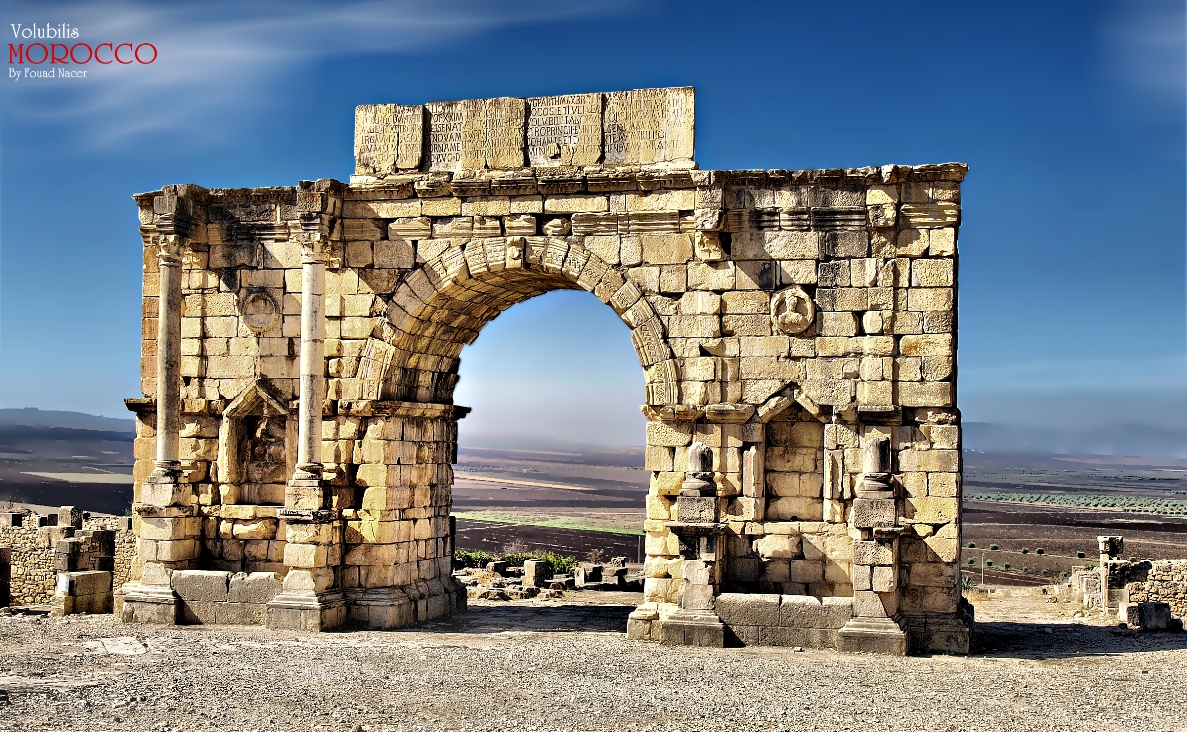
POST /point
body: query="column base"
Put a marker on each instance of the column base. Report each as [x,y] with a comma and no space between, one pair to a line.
[385,608]
[873,635]
[690,628]
[642,621]
[154,604]
[305,611]
[381,608]
[943,632]
[306,490]
[163,487]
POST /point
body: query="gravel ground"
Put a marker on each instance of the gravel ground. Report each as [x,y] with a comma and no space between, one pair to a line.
[564,666]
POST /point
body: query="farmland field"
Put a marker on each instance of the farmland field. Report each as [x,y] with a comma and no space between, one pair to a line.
[1060,504]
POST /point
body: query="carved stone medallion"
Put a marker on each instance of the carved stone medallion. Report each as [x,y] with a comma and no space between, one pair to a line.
[707,246]
[260,312]
[792,311]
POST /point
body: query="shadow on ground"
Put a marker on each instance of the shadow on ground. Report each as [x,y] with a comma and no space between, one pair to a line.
[1068,640]
[994,639]
[537,619]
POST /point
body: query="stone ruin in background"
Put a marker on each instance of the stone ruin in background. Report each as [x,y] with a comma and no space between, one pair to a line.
[796,334]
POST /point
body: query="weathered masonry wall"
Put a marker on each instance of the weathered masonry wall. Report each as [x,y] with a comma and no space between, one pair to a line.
[1164,580]
[796,331]
[33,560]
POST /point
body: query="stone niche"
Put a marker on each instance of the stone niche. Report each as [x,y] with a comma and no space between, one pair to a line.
[796,331]
[256,450]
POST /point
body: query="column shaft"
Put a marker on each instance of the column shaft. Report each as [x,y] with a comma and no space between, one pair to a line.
[313,351]
[168,354]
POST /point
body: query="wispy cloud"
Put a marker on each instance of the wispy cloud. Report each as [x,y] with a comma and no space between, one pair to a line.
[1145,52]
[215,56]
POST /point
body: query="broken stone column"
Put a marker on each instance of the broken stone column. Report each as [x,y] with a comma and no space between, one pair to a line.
[167,524]
[1112,589]
[700,532]
[875,627]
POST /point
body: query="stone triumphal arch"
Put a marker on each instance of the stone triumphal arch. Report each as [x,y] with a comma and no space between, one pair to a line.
[797,331]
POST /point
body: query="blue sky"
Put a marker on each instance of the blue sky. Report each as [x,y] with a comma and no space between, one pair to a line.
[1069,114]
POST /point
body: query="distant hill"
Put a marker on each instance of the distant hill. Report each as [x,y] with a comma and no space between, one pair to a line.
[33,417]
[1120,439]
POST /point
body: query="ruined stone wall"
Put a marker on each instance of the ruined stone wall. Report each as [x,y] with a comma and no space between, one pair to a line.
[34,569]
[1166,581]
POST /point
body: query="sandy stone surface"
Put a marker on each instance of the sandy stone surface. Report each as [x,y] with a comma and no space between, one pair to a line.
[553,666]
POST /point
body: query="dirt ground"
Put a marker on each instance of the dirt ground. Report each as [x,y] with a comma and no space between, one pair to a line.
[566,665]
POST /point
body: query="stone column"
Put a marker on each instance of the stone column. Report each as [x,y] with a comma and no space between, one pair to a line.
[168,467]
[698,526]
[305,490]
[167,525]
[311,598]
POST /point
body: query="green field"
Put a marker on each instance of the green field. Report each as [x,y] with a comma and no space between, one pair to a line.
[1133,504]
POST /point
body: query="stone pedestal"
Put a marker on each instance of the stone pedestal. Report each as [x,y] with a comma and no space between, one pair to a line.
[695,623]
[309,598]
[313,611]
[873,635]
[156,604]
[692,628]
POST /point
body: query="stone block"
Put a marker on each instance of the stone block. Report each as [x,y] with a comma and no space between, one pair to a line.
[81,584]
[743,635]
[871,512]
[1150,616]
[804,637]
[872,553]
[257,587]
[806,571]
[933,574]
[868,605]
[881,636]
[704,634]
[931,510]
[200,585]
[737,609]
[779,546]
[885,579]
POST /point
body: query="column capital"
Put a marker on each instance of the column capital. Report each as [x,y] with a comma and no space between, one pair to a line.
[313,247]
[168,249]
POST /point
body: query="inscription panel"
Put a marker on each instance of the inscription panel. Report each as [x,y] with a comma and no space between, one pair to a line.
[387,138]
[445,136]
[639,127]
[503,123]
[647,126]
[564,130]
[476,134]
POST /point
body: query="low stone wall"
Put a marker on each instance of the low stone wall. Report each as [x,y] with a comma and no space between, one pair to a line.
[33,566]
[783,620]
[1166,581]
[223,598]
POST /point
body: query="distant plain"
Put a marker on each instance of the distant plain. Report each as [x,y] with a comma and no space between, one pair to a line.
[585,500]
